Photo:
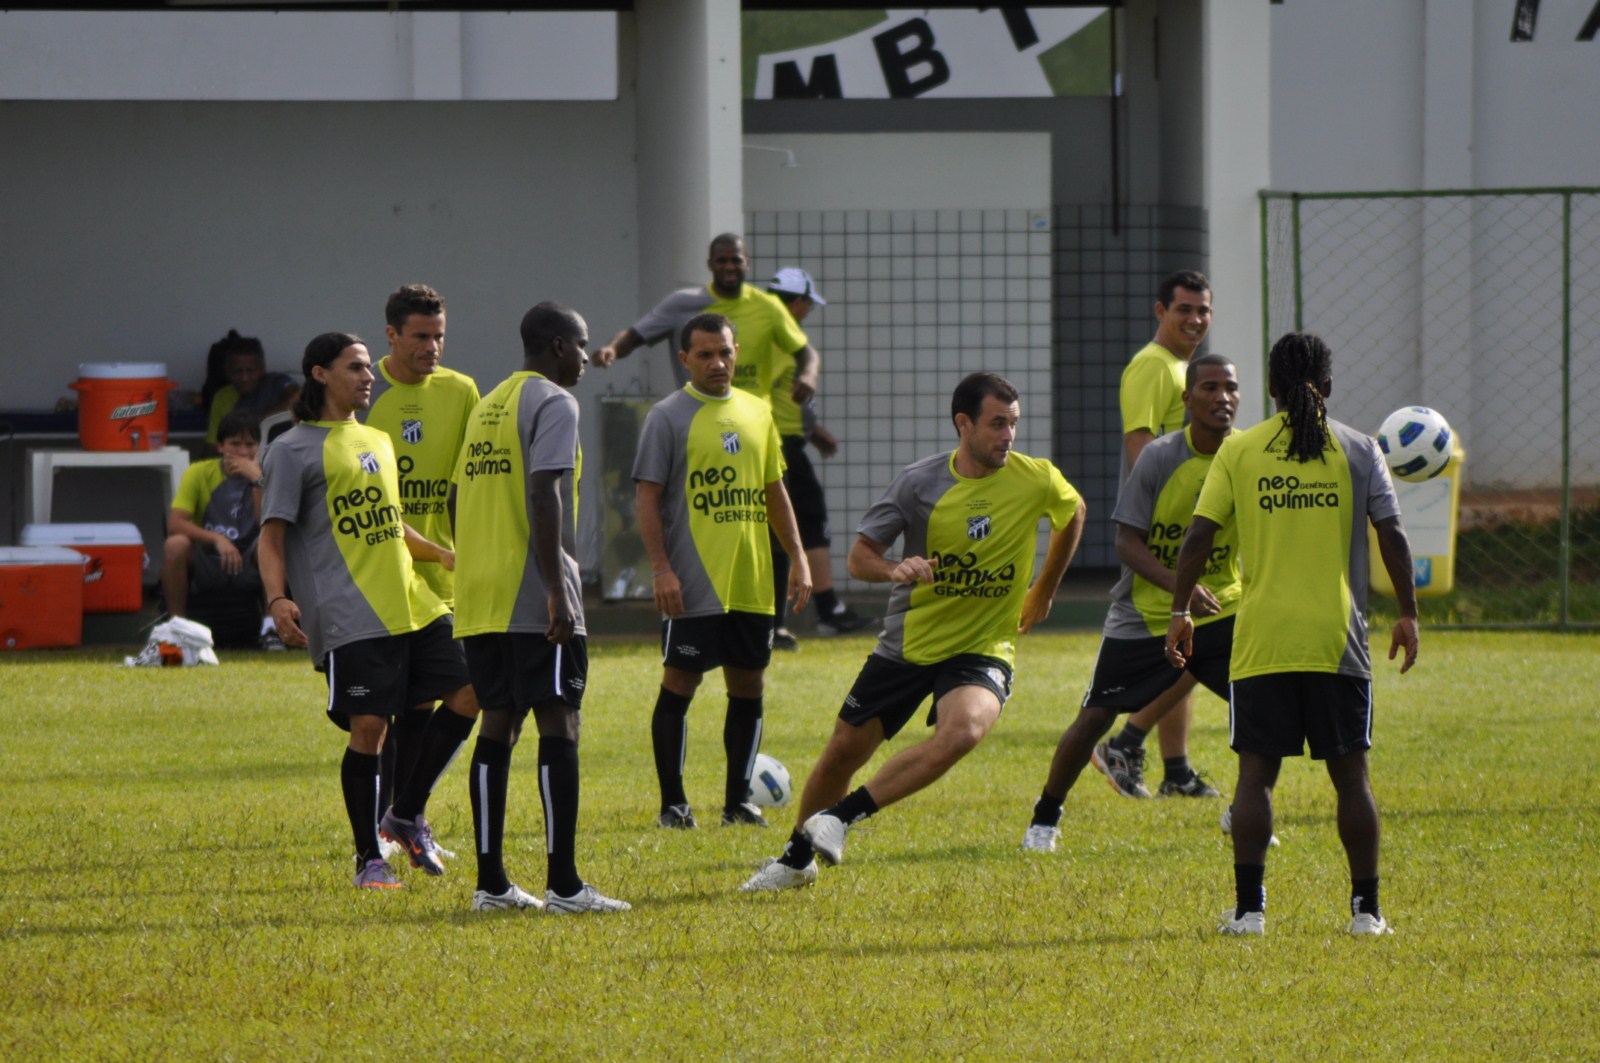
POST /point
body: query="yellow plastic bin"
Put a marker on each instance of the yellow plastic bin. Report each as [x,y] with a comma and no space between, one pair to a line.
[1429,512]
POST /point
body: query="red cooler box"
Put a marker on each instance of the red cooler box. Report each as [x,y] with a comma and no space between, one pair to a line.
[112,582]
[41,597]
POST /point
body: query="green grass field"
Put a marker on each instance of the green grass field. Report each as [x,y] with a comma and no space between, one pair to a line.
[175,884]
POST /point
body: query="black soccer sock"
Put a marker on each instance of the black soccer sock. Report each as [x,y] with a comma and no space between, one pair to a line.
[1249,893]
[1131,737]
[827,603]
[741,740]
[358,776]
[798,853]
[1176,769]
[1364,895]
[1047,810]
[669,735]
[439,745]
[406,739]
[487,779]
[558,790]
[855,807]
[386,773]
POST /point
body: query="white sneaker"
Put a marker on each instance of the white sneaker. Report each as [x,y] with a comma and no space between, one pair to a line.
[388,849]
[1041,839]
[775,875]
[826,834]
[1248,923]
[1227,827]
[587,899]
[512,898]
[1364,925]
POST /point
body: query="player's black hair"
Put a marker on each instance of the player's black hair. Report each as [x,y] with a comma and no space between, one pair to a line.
[411,299]
[1299,367]
[725,240]
[1191,279]
[217,361]
[1199,360]
[704,323]
[543,323]
[974,388]
[322,350]
[237,422]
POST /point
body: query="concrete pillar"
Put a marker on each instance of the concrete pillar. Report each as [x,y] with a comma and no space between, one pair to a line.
[691,170]
[1445,356]
[1236,86]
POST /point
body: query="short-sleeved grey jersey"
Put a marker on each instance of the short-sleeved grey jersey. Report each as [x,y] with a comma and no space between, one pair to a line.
[667,318]
[1373,498]
[318,474]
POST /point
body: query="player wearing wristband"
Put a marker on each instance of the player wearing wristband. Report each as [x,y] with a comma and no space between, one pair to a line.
[970,524]
[1300,489]
[1153,509]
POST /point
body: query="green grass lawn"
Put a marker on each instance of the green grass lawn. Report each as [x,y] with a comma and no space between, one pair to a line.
[176,883]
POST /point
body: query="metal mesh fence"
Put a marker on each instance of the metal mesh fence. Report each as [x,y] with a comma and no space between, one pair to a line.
[1484,305]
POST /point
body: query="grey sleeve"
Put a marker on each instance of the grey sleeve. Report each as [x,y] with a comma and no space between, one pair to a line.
[889,516]
[670,314]
[1382,502]
[553,440]
[280,499]
[652,462]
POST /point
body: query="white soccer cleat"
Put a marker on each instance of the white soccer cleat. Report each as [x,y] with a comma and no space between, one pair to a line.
[389,849]
[776,875]
[587,899]
[1250,923]
[826,834]
[1041,839]
[513,898]
[1364,925]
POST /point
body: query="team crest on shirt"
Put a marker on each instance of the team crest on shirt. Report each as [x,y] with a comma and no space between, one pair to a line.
[730,442]
[369,463]
[411,432]
[978,528]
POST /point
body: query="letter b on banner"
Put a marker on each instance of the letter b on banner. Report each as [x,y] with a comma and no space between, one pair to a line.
[898,60]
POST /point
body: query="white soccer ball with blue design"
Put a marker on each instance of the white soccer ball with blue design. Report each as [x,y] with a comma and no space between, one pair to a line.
[1415,442]
[769,783]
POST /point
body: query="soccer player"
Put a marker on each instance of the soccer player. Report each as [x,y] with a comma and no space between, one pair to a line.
[331,529]
[797,423]
[769,339]
[709,484]
[212,525]
[1151,397]
[970,521]
[1153,509]
[1300,488]
[423,406]
[520,605]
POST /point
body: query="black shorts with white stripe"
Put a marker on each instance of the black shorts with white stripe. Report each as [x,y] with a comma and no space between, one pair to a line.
[517,671]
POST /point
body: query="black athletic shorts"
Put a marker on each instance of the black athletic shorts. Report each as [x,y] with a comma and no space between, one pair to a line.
[517,670]
[1131,673]
[705,643]
[391,673]
[805,494]
[1273,714]
[207,578]
[890,691]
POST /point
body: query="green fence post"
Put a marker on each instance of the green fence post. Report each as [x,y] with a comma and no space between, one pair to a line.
[1564,556]
[1299,303]
[1266,306]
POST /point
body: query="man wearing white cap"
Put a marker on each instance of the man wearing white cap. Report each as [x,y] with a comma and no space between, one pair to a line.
[797,424]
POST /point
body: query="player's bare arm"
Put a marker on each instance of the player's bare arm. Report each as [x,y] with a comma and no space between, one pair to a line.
[1192,557]
[1133,550]
[621,345]
[1063,544]
[274,582]
[544,494]
[1135,441]
[422,548]
[780,518]
[826,442]
[663,581]
[867,562]
[1395,549]
[807,367]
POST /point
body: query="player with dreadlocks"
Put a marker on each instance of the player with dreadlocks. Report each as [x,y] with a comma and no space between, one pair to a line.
[1301,488]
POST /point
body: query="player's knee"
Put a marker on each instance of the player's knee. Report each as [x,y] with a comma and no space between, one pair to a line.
[464,702]
[178,548]
[557,719]
[679,682]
